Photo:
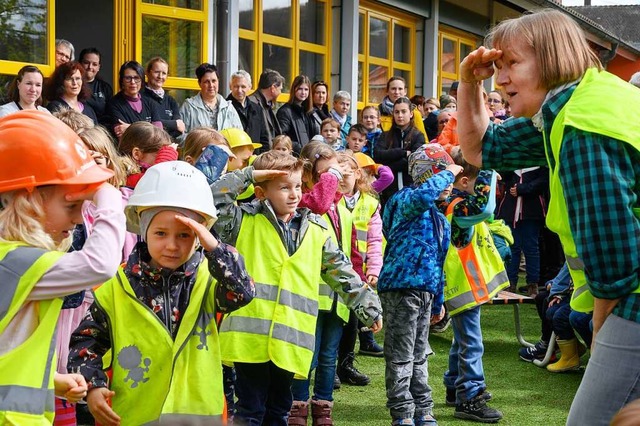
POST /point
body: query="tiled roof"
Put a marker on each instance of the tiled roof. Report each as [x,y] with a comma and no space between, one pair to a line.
[621,20]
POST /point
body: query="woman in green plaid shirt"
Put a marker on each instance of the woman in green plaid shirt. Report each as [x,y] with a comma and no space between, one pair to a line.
[584,124]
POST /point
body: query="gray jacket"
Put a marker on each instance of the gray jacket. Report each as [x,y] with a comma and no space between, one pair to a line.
[337,271]
[196,114]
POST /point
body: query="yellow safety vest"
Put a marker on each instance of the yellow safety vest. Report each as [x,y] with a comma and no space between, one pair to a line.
[279,325]
[157,379]
[579,112]
[327,295]
[26,372]
[474,273]
[362,212]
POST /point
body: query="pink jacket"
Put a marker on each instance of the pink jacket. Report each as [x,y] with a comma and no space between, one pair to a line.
[374,245]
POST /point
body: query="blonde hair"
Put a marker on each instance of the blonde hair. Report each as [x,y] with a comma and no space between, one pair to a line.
[561,49]
[198,139]
[282,140]
[23,217]
[433,101]
[98,139]
[311,153]
[144,136]
[363,183]
[74,119]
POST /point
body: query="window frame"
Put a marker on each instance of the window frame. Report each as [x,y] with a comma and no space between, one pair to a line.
[458,38]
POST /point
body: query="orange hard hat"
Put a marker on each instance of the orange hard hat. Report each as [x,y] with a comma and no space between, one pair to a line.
[38,149]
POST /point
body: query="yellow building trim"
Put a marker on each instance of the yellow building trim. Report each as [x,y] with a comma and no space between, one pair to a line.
[123,36]
[459,39]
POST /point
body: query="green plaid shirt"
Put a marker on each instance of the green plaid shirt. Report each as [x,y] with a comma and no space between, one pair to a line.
[601,182]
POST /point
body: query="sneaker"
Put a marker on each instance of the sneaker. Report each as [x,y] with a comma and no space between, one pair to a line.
[336,382]
[476,410]
[425,420]
[349,374]
[371,349]
[402,422]
[450,400]
[536,352]
[442,325]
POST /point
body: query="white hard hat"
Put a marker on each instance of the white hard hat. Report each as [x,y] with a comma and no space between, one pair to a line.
[171,184]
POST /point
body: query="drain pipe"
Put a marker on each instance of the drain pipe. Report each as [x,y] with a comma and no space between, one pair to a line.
[222,31]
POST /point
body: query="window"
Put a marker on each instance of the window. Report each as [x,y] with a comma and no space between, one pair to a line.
[177,31]
[454,46]
[27,36]
[386,46]
[288,36]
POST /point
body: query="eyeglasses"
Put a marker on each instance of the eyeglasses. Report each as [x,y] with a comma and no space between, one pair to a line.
[369,117]
[73,79]
[63,55]
[494,101]
[132,78]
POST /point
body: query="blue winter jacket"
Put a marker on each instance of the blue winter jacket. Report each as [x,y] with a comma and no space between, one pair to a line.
[418,237]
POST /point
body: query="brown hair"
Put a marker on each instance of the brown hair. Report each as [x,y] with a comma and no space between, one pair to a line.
[307,104]
[74,119]
[470,171]
[560,46]
[274,160]
[55,86]
[330,121]
[99,140]
[198,139]
[418,100]
[14,92]
[311,153]
[152,61]
[144,136]
[363,183]
[396,78]
[282,140]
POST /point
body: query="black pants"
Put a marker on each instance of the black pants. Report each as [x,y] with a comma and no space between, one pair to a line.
[349,336]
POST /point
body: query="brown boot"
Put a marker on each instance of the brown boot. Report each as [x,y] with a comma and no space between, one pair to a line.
[321,413]
[532,290]
[299,413]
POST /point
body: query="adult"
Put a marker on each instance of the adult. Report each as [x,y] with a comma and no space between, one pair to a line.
[208,108]
[396,89]
[551,76]
[496,105]
[250,113]
[128,106]
[101,91]
[157,72]
[25,91]
[430,121]
[66,90]
[64,52]
[269,88]
[293,116]
[320,110]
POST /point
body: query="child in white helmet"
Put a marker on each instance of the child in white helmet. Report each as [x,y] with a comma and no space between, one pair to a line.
[46,172]
[157,315]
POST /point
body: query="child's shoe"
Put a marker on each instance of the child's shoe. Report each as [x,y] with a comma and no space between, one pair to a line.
[403,422]
[451,396]
[569,357]
[476,410]
[425,420]
[369,346]
[299,413]
[442,325]
[321,412]
[349,374]
[538,351]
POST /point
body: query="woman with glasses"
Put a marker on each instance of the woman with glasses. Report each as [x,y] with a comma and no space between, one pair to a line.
[25,91]
[66,90]
[128,106]
[320,111]
[496,105]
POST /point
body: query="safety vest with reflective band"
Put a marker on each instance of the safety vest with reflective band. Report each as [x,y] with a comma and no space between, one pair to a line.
[156,378]
[26,372]
[279,325]
[474,273]
[327,295]
[362,212]
[579,112]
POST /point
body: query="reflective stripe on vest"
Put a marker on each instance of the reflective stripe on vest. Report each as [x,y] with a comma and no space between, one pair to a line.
[279,324]
[174,377]
[190,419]
[579,113]
[474,273]
[26,394]
[363,211]
[327,296]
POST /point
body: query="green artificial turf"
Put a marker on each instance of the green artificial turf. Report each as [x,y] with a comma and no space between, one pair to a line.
[526,394]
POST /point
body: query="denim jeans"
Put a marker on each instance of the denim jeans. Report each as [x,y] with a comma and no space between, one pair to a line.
[611,378]
[583,325]
[465,373]
[542,302]
[525,240]
[264,394]
[328,334]
[407,314]
[558,315]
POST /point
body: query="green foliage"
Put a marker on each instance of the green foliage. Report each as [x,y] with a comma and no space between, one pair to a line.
[23,30]
[526,394]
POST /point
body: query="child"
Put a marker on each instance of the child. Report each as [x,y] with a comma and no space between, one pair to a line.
[377,175]
[174,282]
[45,174]
[283,143]
[396,145]
[411,282]
[145,145]
[208,151]
[340,112]
[474,274]
[357,138]
[330,130]
[371,122]
[241,146]
[288,250]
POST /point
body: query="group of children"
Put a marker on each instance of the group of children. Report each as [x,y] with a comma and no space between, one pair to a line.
[260,263]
